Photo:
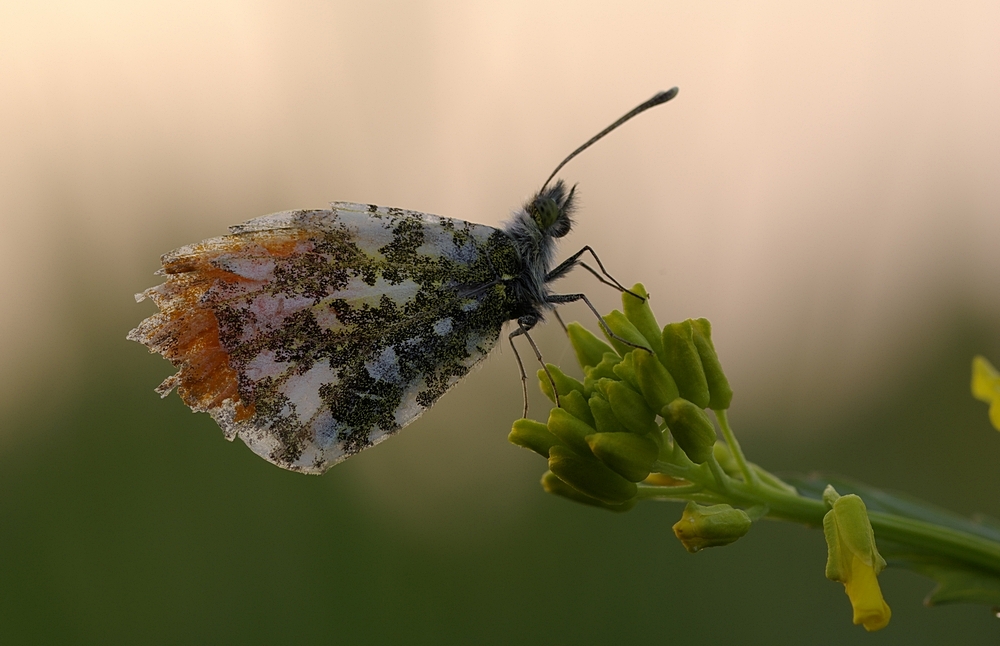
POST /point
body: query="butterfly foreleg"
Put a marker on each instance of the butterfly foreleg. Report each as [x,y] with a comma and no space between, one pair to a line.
[524,324]
[557,299]
[565,266]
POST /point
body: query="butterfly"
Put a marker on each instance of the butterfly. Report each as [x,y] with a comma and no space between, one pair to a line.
[314,334]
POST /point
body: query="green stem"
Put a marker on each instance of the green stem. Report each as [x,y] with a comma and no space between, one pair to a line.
[721,478]
[683,493]
[748,474]
[678,493]
[926,538]
[976,551]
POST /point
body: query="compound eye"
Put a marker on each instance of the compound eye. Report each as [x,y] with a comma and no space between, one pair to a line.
[545,213]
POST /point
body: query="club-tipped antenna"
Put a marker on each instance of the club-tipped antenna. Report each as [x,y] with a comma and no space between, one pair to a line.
[660,97]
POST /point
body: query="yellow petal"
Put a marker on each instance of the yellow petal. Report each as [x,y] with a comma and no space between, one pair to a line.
[995,414]
[985,380]
[870,609]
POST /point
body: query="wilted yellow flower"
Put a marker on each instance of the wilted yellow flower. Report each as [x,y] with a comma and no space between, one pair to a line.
[854,560]
[986,387]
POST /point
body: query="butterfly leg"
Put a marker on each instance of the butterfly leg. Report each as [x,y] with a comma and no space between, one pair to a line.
[565,266]
[555,312]
[556,299]
[524,324]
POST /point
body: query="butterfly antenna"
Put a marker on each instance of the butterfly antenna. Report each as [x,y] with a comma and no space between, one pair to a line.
[660,97]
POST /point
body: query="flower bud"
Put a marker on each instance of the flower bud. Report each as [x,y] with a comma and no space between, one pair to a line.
[630,408]
[624,329]
[604,418]
[589,349]
[532,435]
[713,526]
[726,460]
[590,477]
[564,383]
[571,431]
[630,455]
[601,387]
[684,363]
[576,405]
[656,384]
[552,484]
[720,393]
[605,368]
[625,370]
[853,558]
[692,429]
[638,312]
[656,437]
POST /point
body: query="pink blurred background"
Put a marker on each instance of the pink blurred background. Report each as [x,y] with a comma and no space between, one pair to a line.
[825,183]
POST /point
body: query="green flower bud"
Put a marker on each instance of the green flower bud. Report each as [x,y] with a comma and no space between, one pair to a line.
[641,316]
[657,438]
[621,326]
[604,417]
[630,455]
[726,460]
[630,408]
[692,429]
[605,369]
[576,405]
[552,484]
[720,394]
[532,435]
[601,387]
[589,349]
[684,363]
[590,477]
[713,526]
[656,384]
[625,370]
[545,385]
[570,430]
[564,383]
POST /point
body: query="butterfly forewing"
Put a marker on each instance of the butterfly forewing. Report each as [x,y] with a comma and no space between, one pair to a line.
[315,334]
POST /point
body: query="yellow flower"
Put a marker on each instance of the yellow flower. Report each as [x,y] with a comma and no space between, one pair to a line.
[870,609]
[854,560]
[986,387]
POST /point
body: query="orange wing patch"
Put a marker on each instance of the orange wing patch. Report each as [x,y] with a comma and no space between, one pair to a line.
[186,330]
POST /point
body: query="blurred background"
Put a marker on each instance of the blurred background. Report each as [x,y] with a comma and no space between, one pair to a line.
[824,189]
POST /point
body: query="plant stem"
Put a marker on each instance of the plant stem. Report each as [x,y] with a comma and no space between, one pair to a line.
[748,474]
[977,552]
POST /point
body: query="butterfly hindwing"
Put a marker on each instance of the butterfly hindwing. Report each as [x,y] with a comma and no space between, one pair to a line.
[314,334]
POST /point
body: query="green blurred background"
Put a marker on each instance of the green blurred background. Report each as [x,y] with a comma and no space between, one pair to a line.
[824,189]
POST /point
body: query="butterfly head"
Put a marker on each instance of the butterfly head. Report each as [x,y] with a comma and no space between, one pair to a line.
[552,209]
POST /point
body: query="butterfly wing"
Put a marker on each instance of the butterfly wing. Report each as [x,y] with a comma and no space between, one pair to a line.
[312,335]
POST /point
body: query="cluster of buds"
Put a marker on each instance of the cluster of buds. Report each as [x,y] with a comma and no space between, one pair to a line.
[644,391]
[637,423]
